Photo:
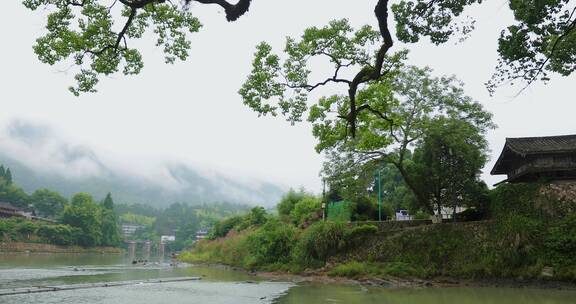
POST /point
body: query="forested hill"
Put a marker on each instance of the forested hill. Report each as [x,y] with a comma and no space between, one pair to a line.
[192,187]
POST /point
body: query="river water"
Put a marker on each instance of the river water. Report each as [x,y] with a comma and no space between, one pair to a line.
[220,286]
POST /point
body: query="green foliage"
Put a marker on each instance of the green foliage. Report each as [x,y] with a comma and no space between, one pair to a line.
[288,202]
[59,234]
[108,202]
[306,210]
[8,176]
[540,40]
[131,218]
[357,270]
[84,214]
[257,216]
[339,211]
[222,228]
[447,163]
[275,87]
[22,230]
[110,230]
[519,243]
[320,241]
[362,231]
[560,242]
[48,203]
[26,228]
[517,199]
[10,192]
[272,243]
[84,33]
[412,103]
[350,270]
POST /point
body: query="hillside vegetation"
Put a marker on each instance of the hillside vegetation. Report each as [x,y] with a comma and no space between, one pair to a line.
[528,236]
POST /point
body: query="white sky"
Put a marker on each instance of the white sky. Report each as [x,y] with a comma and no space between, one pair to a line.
[191,111]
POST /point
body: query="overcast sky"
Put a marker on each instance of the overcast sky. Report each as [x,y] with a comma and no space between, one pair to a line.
[191,112]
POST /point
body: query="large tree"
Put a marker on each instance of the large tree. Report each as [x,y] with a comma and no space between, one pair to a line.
[447,163]
[85,214]
[403,106]
[96,36]
[110,231]
[48,203]
[10,192]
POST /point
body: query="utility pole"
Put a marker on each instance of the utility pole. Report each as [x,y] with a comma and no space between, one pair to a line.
[379,195]
[324,199]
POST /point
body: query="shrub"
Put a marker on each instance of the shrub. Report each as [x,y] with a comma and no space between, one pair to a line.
[272,243]
[222,228]
[26,228]
[289,200]
[471,214]
[59,234]
[517,199]
[350,270]
[560,242]
[319,242]
[305,209]
[339,211]
[362,231]
[399,269]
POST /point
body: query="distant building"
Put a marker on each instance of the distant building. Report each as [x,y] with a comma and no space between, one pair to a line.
[201,234]
[130,229]
[403,215]
[168,238]
[7,210]
[448,212]
[530,159]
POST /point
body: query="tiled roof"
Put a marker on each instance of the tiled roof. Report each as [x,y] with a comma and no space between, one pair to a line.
[533,145]
[4,205]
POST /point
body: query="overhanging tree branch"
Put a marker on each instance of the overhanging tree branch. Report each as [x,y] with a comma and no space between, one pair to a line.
[233,11]
[367,73]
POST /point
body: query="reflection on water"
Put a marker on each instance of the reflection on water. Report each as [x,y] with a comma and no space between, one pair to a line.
[170,293]
[40,270]
[220,285]
[315,293]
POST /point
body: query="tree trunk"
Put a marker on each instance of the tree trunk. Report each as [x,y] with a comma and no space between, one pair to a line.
[422,201]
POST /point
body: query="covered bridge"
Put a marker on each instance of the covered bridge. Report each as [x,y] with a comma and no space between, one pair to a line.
[529,159]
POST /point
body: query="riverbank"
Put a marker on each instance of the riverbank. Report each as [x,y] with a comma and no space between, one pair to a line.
[20,247]
[324,277]
[492,253]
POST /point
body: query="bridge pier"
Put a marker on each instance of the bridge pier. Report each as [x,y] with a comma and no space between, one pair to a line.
[160,251]
[146,250]
[131,250]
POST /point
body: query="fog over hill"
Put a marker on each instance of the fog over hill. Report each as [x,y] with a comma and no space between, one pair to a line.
[39,157]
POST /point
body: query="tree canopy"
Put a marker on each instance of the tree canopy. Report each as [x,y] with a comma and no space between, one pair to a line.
[48,203]
[404,108]
[447,163]
[98,39]
[84,32]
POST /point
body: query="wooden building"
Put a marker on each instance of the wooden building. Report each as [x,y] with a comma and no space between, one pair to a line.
[7,211]
[531,159]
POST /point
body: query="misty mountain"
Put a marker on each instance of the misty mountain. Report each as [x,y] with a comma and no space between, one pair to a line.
[39,159]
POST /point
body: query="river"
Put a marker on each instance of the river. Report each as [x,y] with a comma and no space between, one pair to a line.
[220,286]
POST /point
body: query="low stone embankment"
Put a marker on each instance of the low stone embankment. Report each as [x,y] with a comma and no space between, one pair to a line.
[15,247]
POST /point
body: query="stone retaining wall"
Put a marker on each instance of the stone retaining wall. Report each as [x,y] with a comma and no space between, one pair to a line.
[558,198]
[393,225]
